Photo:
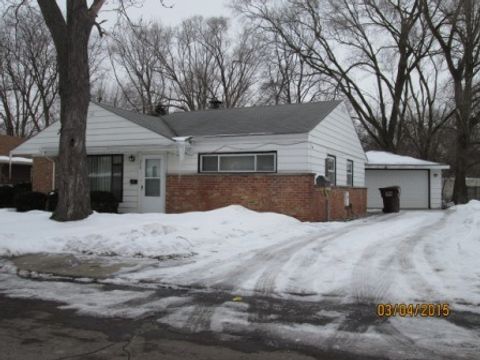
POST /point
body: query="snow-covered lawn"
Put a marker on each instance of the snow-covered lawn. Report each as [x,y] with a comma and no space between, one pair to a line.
[228,230]
[330,275]
[416,256]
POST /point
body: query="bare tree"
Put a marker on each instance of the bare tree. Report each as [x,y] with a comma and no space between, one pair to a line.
[235,62]
[28,81]
[202,62]
[349,42]
[429,111]
[71,34]
[188,65]
[70,31]
[136,68]
[286,77]
[455,25]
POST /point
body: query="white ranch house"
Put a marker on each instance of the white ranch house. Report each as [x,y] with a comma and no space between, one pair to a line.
[273,158]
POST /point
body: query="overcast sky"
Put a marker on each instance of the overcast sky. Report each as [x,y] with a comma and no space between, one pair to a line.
[181,9]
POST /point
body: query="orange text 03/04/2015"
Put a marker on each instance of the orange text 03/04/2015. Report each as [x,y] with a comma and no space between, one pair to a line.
[413,310]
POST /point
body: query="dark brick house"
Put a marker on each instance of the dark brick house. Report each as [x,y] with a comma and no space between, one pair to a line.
[13,170]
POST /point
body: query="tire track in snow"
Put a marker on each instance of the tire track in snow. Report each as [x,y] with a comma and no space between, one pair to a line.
[405,254]
[310,259]
[371,284]
[266,282]
[243,266]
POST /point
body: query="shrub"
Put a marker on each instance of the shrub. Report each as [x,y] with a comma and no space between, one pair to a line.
[103,201]
[52,200]
[7,193]
[21,188]
[31,200]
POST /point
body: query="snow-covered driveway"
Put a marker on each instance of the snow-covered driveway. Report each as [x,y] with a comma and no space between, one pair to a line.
[398,258]
[317,285]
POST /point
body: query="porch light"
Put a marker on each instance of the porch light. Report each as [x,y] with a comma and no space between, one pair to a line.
[131,158]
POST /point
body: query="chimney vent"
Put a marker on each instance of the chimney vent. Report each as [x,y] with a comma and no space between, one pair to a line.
[160,110]
[215,103]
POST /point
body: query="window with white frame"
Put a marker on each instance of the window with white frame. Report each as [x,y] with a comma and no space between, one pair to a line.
[238,162]
[349,172]
[331,169]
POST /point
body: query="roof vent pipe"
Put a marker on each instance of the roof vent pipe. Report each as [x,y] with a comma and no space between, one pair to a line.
[215,103]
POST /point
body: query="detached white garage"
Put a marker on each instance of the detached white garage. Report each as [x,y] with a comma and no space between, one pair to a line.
[420,181]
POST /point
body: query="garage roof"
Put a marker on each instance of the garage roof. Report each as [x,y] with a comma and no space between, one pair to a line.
[387,160]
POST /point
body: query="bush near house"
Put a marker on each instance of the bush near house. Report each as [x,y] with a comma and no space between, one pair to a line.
[6,196]
[101,201]
[31,200]
[23,187]
[52,201]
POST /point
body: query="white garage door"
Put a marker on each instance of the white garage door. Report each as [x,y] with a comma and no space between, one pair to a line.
[413,187]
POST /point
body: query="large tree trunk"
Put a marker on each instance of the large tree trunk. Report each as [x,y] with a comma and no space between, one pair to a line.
[73,189]
[463,100]
[460,195]
[71,42]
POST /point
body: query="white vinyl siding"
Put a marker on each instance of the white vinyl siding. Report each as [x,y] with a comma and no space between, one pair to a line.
[104,130]
[436,188]
[291,151]
[130,191]
[336,135]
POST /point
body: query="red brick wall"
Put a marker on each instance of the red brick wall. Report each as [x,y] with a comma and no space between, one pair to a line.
[329,203]
[8,143]
[42,174]
[294,195]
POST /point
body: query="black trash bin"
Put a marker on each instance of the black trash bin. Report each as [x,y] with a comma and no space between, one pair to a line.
[391,199]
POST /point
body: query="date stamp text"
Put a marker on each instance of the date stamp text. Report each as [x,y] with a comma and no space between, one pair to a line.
[413,310]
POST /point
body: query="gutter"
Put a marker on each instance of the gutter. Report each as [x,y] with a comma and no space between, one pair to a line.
[406,166]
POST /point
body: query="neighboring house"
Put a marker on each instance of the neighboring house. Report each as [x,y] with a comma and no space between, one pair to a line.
[266,158]
[420,181]
[473,188]
[13,170]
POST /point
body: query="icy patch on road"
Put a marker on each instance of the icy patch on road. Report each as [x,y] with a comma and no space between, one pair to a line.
[89,299]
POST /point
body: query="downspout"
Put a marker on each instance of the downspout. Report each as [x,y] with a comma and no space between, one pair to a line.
[9,167]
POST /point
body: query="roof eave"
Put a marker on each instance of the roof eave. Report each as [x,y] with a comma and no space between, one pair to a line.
[407,166]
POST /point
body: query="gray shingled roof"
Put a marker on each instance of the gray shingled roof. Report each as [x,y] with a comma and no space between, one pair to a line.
[278,119]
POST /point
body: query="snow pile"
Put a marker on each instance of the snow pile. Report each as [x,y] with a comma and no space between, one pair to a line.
[151,235]
[387,158]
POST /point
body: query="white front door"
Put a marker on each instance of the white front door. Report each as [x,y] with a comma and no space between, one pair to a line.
[152,187]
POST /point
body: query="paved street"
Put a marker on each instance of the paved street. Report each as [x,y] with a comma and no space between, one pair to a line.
[38,330]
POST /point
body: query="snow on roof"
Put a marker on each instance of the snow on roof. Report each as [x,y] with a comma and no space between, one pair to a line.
[15,160]
[383,158]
